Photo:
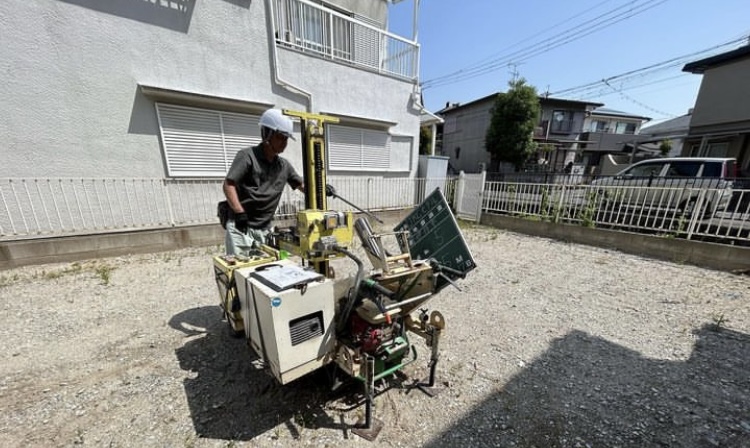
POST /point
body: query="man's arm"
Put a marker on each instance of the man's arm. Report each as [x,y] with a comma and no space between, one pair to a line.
[230,191]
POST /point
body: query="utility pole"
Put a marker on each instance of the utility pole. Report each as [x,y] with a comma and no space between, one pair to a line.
[514,70]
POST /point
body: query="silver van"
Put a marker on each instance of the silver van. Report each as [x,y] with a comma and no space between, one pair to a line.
[682,184]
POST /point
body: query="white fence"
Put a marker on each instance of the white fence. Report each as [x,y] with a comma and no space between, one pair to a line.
[37,208]
[687,212]
[67,206]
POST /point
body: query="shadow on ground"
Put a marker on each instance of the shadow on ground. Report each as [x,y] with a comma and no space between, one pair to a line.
[231,398]
[586,391]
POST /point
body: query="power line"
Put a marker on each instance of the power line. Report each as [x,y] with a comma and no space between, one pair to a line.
[648,70]
[645,106]
[574,33]
[500,52]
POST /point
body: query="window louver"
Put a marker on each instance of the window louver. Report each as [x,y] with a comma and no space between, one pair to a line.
[201,142]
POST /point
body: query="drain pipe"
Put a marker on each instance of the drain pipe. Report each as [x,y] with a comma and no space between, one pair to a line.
[271,16]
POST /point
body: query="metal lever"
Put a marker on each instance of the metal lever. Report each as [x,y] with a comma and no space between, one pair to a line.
[331,192]
[441,271]
[450,281]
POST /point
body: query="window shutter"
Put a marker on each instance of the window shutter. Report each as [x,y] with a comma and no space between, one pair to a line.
[376,150]
[240,131]
[351,148]
[344,148]
[202,142]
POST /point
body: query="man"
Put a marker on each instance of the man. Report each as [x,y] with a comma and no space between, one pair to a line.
[255,182]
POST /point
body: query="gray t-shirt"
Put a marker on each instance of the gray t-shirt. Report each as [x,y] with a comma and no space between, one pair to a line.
[260,183]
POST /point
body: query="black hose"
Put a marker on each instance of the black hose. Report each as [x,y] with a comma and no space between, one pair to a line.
[354,292]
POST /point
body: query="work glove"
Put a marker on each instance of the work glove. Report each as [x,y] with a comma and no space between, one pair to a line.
[240,222]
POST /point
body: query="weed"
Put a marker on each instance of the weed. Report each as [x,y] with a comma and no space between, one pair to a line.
[719,322]
[104,272]
[587,215]
[189,442]
[6,280]
[53,274]
[464,225]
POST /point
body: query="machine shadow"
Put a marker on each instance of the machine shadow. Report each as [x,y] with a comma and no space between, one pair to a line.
[587,391]
[232,398]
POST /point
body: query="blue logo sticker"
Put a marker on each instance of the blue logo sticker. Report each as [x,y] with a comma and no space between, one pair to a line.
[276,301]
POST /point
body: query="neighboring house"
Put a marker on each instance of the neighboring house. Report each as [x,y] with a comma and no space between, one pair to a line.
[465,126]
[720,123]
[430,122]
[675,130]
[607,132]
[172,89]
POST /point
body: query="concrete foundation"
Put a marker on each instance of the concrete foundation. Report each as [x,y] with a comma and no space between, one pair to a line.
[722,257]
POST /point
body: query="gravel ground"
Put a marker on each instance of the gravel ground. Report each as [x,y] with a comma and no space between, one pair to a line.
[548,345]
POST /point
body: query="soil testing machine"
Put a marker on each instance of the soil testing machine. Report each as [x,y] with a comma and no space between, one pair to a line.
[298,317]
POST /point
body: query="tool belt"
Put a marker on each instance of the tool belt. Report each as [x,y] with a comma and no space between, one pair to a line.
[223,212]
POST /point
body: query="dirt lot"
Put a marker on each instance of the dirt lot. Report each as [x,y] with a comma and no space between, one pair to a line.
[548,345]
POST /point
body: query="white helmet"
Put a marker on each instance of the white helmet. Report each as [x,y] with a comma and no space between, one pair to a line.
[275,120]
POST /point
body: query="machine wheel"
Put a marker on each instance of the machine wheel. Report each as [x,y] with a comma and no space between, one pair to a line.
[232,332]
[437,320]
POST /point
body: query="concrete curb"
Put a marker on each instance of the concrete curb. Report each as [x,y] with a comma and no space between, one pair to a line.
[722,257]
[37,251]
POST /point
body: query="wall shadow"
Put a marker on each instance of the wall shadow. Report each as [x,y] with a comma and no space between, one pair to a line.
[586,391]
[174,14]
[143,118]
[231,398]
[241,3]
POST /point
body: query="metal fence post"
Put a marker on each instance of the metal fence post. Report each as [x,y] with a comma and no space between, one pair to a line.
[460,191]
[168,199]
[697,209]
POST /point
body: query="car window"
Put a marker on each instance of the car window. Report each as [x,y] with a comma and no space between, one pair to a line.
[683,169]
[712,169]
[645,170]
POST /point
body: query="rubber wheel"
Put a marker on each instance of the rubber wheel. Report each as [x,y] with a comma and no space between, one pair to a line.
[232,332]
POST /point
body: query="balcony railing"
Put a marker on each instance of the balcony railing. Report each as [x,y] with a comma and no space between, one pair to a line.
[309,27]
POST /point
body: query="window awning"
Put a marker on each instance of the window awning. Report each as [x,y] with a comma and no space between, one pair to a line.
[203,100]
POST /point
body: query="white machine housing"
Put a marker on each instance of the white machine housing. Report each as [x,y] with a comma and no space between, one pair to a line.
[292,330]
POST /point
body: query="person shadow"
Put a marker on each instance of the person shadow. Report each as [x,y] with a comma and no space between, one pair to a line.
[231,396]
[588,391]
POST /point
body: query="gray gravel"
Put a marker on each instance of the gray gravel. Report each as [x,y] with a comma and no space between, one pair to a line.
[549,345]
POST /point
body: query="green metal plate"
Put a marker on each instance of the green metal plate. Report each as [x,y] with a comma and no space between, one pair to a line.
[434,233]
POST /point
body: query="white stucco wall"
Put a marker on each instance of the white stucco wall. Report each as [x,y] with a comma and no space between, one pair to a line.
[71,103]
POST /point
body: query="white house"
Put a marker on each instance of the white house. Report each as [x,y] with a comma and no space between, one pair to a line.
[171,89]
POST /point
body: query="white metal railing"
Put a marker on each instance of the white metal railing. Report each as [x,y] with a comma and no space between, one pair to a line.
[709,213]
[50,207]
[307,26]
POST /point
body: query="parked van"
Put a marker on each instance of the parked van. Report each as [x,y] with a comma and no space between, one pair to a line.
[674,184]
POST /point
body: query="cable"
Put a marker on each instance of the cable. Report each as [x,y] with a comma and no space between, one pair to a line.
[503,58]
[645,106]
[648,70]
[498,53]
[565,37]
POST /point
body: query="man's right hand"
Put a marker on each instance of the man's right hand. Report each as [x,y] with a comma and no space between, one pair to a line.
[240,222]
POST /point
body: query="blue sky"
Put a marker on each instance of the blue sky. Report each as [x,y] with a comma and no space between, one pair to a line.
[544,42]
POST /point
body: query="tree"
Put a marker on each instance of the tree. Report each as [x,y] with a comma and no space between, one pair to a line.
[665,146]
[425,140]
[514,117]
